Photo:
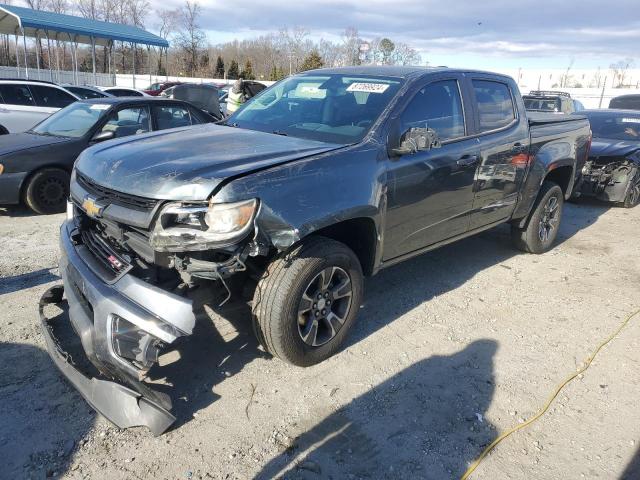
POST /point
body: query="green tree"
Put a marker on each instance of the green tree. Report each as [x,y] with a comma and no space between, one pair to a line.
[219,72]
[313,61]
[386,48]
[233,72]
[247,71]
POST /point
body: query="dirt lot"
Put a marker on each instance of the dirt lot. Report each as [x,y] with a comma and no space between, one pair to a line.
[450,349]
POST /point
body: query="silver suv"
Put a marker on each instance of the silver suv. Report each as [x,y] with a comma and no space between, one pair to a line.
[24,103]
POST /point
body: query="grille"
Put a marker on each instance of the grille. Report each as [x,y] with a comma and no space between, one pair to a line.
[112,196]
[113,262]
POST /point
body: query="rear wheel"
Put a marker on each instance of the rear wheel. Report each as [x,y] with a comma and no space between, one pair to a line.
[542,225]
[307,300]
[47,191]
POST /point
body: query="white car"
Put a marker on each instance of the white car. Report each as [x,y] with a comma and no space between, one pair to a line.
[25,103]
[124,92]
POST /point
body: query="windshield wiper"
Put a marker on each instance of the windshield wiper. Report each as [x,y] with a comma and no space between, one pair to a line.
[279,132]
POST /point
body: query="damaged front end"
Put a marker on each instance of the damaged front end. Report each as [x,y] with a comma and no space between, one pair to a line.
[610,178]
[128,267]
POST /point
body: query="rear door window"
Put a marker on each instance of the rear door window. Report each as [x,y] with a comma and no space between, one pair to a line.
[51,97]
[16,95]
[495,105]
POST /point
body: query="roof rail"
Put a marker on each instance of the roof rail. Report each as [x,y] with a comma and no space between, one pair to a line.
[26,80]
[549,93]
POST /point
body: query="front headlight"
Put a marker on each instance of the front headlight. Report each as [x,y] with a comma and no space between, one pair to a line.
[182,227]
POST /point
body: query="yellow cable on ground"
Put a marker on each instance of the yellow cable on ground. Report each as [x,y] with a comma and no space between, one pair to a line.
[559,388]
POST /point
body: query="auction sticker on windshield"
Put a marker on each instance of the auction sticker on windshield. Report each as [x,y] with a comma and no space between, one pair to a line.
[99,106]
[368,87]
[630,120]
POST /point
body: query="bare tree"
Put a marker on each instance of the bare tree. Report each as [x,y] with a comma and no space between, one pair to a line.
[620,69]
[351,46]
[191,38]
[166,24]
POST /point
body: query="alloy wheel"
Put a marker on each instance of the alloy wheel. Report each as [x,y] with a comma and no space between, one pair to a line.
[549,219]
[324,306]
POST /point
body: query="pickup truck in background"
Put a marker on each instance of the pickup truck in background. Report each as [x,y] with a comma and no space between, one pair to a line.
[552,102]
[321,179]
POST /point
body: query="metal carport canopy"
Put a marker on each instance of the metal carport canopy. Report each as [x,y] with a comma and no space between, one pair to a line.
[32,23]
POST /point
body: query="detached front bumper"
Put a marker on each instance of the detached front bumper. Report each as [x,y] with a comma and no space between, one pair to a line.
[94,305]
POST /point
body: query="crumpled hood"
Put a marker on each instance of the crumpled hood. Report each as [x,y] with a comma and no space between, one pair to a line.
[15,142]
[603,147]
[188,163]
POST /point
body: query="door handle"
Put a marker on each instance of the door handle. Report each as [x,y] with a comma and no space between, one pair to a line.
[468,160]
[518,148]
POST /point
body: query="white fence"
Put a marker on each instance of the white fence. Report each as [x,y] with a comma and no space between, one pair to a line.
[59,76]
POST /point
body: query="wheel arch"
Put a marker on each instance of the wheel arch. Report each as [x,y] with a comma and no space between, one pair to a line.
[359,234]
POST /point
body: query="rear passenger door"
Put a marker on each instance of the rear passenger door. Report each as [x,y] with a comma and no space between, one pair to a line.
[503,136]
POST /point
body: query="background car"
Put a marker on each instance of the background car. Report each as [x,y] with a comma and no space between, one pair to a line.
[612,172]
[124,92]
[24,103]
[627,102]
[550,101]
[35,165]
[86,92]
[157,88]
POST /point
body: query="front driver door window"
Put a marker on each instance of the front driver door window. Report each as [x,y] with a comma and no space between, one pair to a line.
[432,191]
[128,121]
[172,117]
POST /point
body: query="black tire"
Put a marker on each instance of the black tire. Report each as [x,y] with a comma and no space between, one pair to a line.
[3,130]
[47,191]
[542,226]
[632,197]
[278,301]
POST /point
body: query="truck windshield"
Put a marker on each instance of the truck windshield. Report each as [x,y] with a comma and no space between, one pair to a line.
[541,104]
[73,121]
[618,127]
[328,108]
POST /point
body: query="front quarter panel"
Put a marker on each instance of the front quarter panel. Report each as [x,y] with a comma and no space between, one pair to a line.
[302,197]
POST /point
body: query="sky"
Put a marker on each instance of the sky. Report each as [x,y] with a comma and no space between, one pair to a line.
[456,33]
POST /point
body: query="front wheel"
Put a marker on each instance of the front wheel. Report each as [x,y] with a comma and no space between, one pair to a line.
[632,197]
[307,300]
[47,191]
[542,225]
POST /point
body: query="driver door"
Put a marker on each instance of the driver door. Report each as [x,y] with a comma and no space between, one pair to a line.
[431,192]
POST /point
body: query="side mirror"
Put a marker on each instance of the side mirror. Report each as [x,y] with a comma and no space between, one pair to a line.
[416,140]
[102,136]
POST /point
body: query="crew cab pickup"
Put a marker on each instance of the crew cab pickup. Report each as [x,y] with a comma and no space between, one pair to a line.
[321,179]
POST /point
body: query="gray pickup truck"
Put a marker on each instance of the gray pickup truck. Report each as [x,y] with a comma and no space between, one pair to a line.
[321,179]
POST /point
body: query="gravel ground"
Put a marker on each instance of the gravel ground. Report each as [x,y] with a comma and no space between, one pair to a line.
[450,349]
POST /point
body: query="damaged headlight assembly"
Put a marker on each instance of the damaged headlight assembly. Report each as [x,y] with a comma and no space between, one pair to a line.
[185,227]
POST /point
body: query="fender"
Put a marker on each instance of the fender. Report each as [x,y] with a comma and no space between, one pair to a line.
[300,198]
[548,155]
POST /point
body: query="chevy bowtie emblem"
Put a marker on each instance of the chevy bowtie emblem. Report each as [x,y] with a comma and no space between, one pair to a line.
[91,208]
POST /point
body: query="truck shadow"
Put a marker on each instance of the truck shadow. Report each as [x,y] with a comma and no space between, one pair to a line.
[43,418]
[23,281]
[632,471]
[221,345]
[426,408]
